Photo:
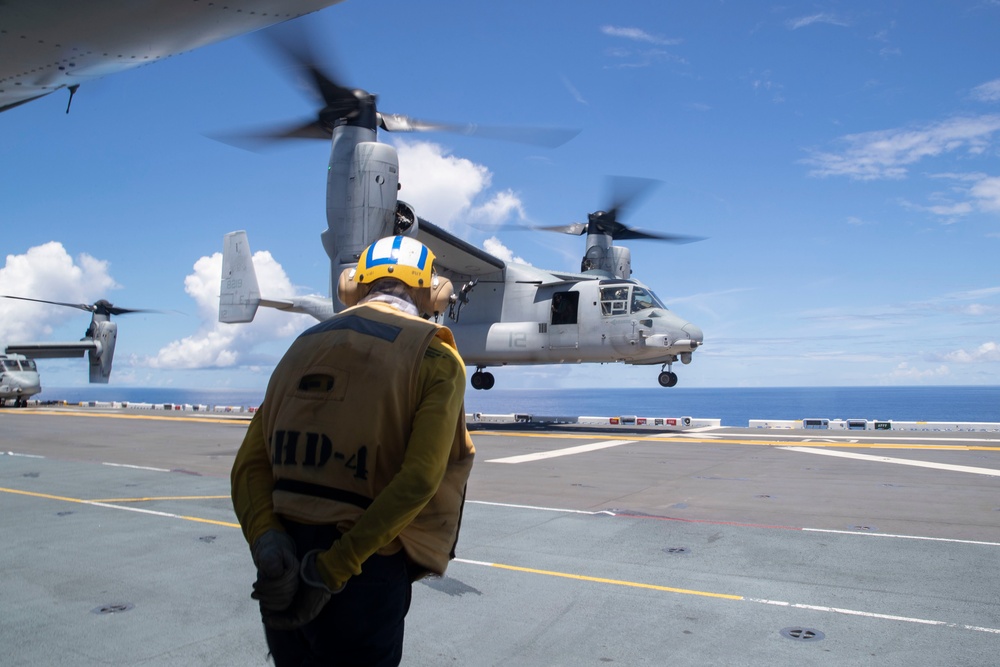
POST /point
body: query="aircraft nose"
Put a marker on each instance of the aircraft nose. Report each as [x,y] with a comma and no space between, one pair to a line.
[694,333]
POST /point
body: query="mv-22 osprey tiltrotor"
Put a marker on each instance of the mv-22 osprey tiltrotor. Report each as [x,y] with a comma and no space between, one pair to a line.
[504,313]
[20,379]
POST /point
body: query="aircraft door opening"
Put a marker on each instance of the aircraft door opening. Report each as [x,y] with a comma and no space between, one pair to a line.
[564,331]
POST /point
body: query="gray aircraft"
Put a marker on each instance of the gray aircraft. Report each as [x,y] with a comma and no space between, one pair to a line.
[504,313]
[98,342]
[18,379]
[49,45]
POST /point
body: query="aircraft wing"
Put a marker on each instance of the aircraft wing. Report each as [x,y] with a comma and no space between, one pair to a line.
[53,350]
[456,255]
[52,44]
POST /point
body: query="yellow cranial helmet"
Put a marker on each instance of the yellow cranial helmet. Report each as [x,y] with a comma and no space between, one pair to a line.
[399,257]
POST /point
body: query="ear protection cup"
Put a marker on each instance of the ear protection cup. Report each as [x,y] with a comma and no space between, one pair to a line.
[434,300]
[348,291]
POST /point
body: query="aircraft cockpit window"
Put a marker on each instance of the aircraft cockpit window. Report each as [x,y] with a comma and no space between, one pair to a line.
[29,365]
[614,300]
[9,365]
[643,300]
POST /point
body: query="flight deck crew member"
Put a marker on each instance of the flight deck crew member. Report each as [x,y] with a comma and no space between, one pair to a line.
[350,482]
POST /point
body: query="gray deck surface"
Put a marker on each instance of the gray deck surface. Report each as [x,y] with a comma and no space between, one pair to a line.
[714,548]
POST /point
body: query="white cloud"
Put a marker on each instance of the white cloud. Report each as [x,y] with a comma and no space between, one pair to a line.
[218,345]
[987,92]
[987,352]
[950,212]
[633,56]
[502,207]
[977,310]
[982,293]
[48,272]
[888,153]
[444,189]
[803,21]
[495,247]
[906,372]
[637,35]
[980,192]
[986,192]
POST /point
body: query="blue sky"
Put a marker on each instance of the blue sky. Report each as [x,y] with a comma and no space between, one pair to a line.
[842,159]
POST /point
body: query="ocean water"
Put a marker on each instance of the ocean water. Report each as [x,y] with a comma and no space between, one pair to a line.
[735,407]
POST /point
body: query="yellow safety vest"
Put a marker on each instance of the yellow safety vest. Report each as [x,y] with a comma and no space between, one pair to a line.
[339,411]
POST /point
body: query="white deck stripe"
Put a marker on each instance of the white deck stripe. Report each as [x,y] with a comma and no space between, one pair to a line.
[736,597]
[133,467]
[888,459]
[541,509]
[901,537]
[568,451]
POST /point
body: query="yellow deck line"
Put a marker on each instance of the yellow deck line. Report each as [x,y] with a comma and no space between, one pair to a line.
[615,582]
[241,421]
[110,505]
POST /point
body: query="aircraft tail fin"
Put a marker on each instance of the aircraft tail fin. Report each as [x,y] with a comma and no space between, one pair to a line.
[239,294]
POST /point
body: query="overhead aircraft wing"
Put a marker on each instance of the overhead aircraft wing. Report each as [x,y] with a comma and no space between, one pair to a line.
[456,255]
[52,44]
[53,350]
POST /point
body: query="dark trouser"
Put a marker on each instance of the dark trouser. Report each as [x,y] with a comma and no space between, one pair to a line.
[361,625]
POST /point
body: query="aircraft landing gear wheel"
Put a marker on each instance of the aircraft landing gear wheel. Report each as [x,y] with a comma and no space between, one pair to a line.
[667,379]
[482,380]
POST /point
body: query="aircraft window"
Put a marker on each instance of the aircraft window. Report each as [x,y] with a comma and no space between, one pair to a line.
[642,300]
[564,307]
[9,365]
[29,365]
[614,300]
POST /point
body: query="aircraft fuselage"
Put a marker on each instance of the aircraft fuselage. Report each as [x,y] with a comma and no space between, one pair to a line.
[45,46]
[547,320]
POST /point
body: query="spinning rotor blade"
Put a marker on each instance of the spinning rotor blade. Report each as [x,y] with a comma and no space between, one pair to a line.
[549,137]
[341,104]
[102,306]
[82,306]
[625,193]
[576,228]
[628,233]
[108,308]
[293,42]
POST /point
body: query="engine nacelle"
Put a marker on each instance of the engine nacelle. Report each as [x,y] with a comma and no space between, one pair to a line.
[603,257]
[621,258]
[361,196]
[105,335]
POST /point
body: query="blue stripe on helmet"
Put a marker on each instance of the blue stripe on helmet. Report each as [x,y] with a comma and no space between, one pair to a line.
[370,260]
